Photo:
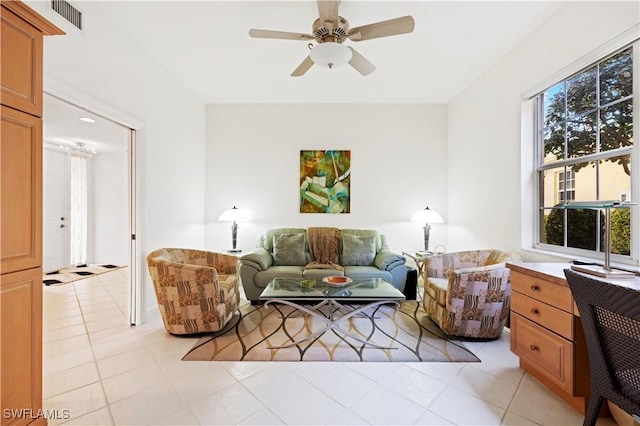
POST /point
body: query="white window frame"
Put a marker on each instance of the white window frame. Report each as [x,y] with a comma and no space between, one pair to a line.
[530,195]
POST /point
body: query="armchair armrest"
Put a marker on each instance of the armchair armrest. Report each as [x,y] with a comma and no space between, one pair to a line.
[221,262]
[259,259]
[225,264]
[387,260]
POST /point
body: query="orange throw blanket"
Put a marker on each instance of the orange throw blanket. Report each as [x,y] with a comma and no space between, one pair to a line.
[324,245]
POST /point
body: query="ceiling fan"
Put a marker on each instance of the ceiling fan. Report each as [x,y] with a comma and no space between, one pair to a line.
[329,32]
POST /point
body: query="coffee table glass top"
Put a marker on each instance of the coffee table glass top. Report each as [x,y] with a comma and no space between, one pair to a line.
[316,289]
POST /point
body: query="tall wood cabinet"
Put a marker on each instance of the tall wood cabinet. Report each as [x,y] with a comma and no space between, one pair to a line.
[21,213]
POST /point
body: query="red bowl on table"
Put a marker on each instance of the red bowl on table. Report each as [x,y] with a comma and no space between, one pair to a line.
[337,280]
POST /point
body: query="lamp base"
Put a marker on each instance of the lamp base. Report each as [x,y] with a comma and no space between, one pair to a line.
[234,251]
[599,271]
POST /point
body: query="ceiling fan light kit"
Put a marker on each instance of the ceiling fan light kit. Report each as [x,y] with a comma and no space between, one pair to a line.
[330,30]
[331,55]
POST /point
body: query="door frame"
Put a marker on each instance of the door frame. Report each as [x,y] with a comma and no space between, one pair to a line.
[136,292]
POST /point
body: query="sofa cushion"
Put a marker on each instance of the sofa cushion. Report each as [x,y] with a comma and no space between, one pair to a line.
[262,278]
[378,238]
[288,249]
[266,240]
[358,250]
[320,273]
[363,272]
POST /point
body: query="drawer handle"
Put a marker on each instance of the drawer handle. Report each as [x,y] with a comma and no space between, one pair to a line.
[534,348]
[534,287]
[534,311]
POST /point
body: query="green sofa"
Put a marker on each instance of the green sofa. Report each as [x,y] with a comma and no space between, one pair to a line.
[284,252]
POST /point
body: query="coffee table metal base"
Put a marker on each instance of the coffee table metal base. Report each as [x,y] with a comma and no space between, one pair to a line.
[331,323]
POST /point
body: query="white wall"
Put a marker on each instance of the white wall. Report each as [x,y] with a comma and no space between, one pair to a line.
[397,162]
[484,146]
[110,208]
[101,63]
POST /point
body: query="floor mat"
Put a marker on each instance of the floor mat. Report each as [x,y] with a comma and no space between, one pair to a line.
[67,275]
[408,330]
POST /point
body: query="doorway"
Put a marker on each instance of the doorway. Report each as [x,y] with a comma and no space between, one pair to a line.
[88,191]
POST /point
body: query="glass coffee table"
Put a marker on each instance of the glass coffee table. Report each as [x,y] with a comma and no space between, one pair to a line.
[367,293]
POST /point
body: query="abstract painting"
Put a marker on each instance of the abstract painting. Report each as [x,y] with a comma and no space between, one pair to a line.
[325,178]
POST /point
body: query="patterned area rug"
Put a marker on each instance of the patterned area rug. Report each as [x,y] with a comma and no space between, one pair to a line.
[408,330]
[67,275]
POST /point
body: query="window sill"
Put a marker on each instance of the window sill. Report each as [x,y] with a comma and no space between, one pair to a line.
[563,257]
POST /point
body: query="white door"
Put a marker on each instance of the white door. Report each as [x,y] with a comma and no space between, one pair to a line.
[55,210]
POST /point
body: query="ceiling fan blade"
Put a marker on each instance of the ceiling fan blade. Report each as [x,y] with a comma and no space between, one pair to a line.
[360,63]
[281,35]
[328,10]
[402,25]
[303,67]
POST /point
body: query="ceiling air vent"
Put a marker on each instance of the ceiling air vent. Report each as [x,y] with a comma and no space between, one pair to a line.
[68,12]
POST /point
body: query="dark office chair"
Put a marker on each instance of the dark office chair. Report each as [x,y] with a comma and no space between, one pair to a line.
[610,317]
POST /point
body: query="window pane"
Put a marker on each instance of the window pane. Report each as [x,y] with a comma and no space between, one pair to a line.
[552,227]
[585,181]
[554,104]
[616,77]
[550,182]
[582,229]
[581,93]
[553,143]
[581,135]
[616,128]
[615,177]
[621,231]
[615,183]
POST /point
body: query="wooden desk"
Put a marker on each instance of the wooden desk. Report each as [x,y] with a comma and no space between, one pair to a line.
[546,332]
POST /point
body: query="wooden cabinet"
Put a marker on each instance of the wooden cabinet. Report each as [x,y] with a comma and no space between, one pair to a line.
[22,62]
[546,333]
[21,212]
[21,189]
[21,350]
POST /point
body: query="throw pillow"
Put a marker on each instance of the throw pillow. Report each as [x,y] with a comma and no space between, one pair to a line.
[288,250]
[358,250]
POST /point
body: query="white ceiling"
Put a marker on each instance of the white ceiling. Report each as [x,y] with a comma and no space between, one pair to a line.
[62,128]
[206,45]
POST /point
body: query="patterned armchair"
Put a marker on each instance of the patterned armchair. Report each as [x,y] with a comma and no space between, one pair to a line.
[468,293]
[197,290]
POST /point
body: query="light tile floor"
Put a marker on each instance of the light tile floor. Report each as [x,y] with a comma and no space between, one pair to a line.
[101,371]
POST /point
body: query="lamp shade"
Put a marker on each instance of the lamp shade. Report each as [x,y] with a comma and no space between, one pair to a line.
[427,216]
[233,214]
[330,54]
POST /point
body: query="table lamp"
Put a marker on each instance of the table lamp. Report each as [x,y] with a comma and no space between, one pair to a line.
[427,216]
[234,215]
[605,271]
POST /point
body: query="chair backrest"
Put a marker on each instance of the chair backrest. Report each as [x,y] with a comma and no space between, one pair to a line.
[441,265]
[610,316]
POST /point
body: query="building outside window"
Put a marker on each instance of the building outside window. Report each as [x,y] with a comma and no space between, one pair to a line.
[584,140]
[566,186]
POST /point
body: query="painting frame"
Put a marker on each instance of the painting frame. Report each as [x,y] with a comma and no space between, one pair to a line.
[325,181]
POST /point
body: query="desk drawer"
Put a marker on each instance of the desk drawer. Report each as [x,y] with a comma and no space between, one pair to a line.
[547,352]
[545,291]
[554,319]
